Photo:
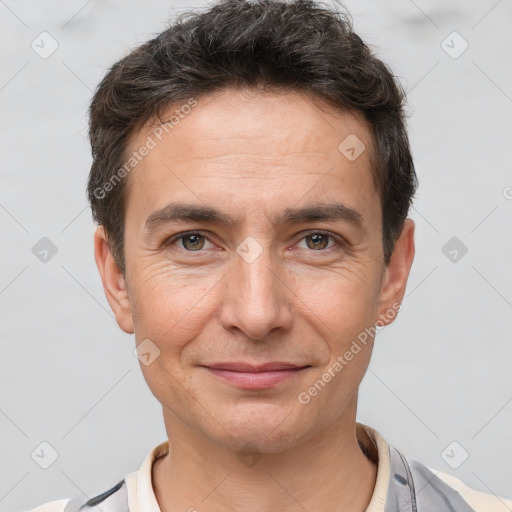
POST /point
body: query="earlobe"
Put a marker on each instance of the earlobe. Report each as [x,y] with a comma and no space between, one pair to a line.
[396,275]
[114,284]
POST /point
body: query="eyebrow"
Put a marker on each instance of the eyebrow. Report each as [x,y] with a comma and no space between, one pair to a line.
[176,212]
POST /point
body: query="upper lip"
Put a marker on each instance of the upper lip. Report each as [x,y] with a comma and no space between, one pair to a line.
[240,366]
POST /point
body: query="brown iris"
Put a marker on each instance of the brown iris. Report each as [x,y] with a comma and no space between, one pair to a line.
[196,242]
[319,241]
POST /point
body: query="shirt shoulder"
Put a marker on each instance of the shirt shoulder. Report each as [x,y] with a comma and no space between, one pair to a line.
[113,500]
[134,490]
[52,506]
[479,501]
[415,487]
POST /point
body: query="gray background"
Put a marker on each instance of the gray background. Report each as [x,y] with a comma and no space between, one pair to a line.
[439,374]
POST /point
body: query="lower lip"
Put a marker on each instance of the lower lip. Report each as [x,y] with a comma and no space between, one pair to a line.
[256,380]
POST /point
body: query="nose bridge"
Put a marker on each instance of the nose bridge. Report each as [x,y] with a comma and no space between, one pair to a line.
[256,300]
[257,277]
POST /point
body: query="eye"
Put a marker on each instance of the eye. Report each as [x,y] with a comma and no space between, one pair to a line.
[319,241]
[194,241]
[191,241]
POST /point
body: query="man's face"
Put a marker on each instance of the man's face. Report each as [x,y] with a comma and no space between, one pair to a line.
[274,284]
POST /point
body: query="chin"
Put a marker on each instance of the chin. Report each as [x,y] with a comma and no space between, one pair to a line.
[270,428]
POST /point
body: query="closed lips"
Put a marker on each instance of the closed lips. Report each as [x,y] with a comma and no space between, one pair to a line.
[248,368]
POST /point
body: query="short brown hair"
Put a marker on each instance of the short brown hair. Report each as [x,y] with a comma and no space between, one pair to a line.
[266,44]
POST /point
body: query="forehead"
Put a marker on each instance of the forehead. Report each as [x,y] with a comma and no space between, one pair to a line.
[251,146]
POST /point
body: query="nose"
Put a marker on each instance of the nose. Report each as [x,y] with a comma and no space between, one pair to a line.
[256,299]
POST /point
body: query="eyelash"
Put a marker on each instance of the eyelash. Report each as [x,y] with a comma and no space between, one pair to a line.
[339,242]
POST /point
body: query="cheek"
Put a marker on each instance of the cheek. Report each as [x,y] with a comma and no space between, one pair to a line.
[170,312]
[165,301]
[345,308]
[345,299]
[345,323]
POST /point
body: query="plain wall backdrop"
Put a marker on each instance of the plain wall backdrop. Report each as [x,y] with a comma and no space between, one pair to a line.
[439,384]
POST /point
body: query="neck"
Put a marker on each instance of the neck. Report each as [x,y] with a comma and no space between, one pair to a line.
[328,472]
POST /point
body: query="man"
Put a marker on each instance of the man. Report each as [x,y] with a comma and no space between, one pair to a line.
[251,180]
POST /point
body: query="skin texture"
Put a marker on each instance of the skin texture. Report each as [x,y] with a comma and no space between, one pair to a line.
[252,155]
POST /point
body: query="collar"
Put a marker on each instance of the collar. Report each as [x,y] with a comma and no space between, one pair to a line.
[141,497]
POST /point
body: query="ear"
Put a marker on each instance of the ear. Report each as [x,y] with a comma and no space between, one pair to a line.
[394,279]
[113,281]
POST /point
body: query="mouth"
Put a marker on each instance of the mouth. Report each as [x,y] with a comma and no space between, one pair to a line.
[247,376]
